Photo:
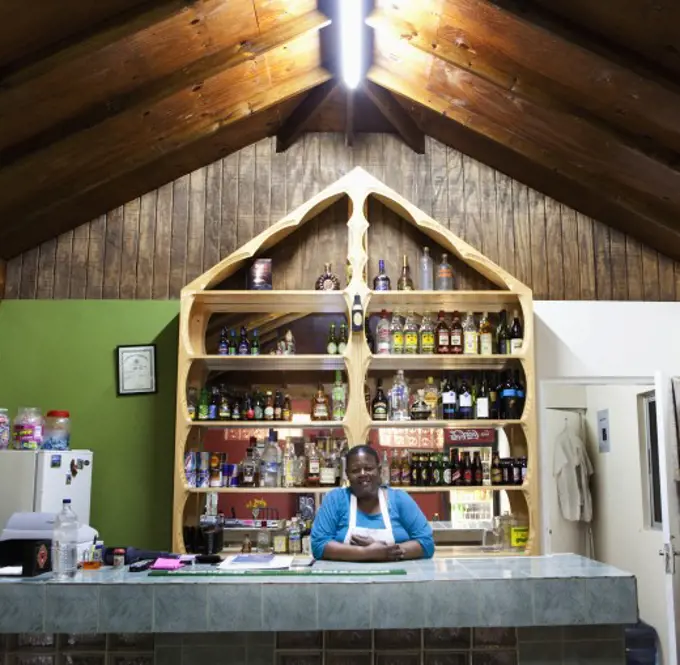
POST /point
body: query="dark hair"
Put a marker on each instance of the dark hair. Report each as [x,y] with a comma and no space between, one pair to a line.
[367,450]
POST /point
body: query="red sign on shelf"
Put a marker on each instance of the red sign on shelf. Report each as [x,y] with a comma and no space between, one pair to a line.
[471,436]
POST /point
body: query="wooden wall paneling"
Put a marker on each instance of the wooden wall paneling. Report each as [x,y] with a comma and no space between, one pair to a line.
[245,229]
[437,175]
[263,193]
[554,249]
[95,257]
[81,244]
[179,234]
[230,195]
[294,198]
[213,214]
[617,242]
[504,220]
[472,230]
[46,265]
[162,242]
[62,271]
[112,253]
[666,278]
[603,261]
[488,218]
[196,227]
[146,246]
[392,155]
[634,269]
[570,257]
[650,274]
[520,197]
[334,163]
[586,257]
[408,172]
[539,268]
[314,255]
[456,200]
[130,249]
[422,171]
[29,274]
[13,277]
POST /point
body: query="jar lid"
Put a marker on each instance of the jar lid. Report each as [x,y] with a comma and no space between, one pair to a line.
[58,414]
[119,550]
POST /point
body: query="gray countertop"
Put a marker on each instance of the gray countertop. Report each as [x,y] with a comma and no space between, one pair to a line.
[504,591]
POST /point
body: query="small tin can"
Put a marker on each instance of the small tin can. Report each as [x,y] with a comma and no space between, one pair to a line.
[118,558]
[215,476]
[202,470]
[190,463]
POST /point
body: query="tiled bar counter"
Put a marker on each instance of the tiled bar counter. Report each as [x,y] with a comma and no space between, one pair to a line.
[496,611]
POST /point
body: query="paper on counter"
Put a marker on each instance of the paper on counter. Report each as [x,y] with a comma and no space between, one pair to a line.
[257,563]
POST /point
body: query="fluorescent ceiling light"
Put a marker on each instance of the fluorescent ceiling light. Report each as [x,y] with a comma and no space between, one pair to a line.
[351,41]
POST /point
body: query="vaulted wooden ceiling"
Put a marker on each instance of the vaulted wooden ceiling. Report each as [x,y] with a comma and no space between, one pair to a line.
[101,102]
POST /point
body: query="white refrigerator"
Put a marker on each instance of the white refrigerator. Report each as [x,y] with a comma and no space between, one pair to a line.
[38,481]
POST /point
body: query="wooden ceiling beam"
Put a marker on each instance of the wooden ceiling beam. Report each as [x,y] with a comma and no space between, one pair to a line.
[304,114]
[402,122]
[534,63]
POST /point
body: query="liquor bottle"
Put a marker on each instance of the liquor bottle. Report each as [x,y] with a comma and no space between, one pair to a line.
[425,470]
[233,347]
[320,404]
[379,404]
[493,397]
[485,335]
[287,409]
[269,406]
[415,471]
[478,476]
[399,398]
[456,345]
[332,341]
[431,397]
[405,469]
[247,408]
[343,338]
[249,474]
[446,470]
[405,282]
[255,344]
[482,410]
[214,406]
[327,469]
[426,335]
[465,411]
[456,469]
[203,410]
[258,404]
[437,471]
[369,335]
[519,389]
[466,470]
[396,334]
[381,282]
[313,465]
[503,334]
[496,474]
[395,470]
[470,335]
[236,409]
[223,346]
[357,314]
[288,464]
[516,334]
[382,334]
[278,405]
[410,334]
[327,281]
[338,397]
[385,469]
[509,399]
[419,409]
[244,344]
[426,271]
[442,335]
[449,400]
[444,279]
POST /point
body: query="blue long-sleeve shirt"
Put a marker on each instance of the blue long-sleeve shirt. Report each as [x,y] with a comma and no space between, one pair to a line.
[408,521]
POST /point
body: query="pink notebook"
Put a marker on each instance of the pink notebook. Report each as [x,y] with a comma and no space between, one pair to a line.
[167,564]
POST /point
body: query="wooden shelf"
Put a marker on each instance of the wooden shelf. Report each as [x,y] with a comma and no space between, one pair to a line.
[449,424]
[436,363]
[301,362]
[267,424]
[316,490]
[271,301]
[449,301]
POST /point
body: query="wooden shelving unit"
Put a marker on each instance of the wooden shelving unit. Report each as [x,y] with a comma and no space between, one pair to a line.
[206,296]
[323,490]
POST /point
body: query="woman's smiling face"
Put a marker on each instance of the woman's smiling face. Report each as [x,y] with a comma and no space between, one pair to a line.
[363,472]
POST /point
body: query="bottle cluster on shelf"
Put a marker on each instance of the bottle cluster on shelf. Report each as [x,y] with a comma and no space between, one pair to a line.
[466,469]
[456,396]
[395,334]
[222,403]
[228,345]
[428,279]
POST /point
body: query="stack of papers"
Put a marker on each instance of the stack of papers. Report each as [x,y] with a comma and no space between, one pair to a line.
[256,562]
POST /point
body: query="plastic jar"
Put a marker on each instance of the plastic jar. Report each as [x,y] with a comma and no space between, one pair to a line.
[57,435]
[4,429]
[28,428]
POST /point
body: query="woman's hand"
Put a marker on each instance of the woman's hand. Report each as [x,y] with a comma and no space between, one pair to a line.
[361,541]
[378,551]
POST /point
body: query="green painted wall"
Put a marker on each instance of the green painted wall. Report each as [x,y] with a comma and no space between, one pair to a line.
[61,355]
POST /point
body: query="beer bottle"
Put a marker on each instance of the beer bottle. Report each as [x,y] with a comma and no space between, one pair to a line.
[509,399]
[405,469]
[436,477]
[467,470]
[456,476]
[478,471]
[415,471]
[496,474]
[446,470]
[425,471]
[395,470]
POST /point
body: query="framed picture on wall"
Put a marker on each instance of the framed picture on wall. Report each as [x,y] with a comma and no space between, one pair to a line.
[136,370]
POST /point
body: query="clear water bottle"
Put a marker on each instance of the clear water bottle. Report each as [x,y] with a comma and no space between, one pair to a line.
[65,543]
[294,537]
[426,271]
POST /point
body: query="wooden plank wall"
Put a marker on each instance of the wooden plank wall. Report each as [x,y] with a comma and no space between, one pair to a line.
[152,246]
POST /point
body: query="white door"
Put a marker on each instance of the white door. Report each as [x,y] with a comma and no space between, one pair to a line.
[670,509]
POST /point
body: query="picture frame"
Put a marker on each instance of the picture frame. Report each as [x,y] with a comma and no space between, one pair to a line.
[136,370]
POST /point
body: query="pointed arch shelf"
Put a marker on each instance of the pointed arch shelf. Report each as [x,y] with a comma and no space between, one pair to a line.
[207,296]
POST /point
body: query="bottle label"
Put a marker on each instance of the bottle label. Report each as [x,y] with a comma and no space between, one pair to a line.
[212,412]
[447,476]
[482,407]
[427,342]
[444,271]
[232,351]
[496,476]
[341,348]
[508,393]
[225,412]
[254,350]
[456,339]
[243,349]
[470,340]
[380,412]
[395,476]
[406,476]
[425,474]
[331,348]
[278,413]
[397,342]
[222,349]
[516,346]
[269,413]
[455,476]
[320,411]
[486,344]
[357,319]
[259,412]
[327,476]
[465,400]
[314,466]
[503,346]
[449,397]
[411,342]
[443,340]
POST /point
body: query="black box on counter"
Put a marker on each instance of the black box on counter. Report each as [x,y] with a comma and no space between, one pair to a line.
[260,275]
[34,556]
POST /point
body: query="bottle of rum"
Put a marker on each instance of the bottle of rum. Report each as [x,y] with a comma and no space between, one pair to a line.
[381,282]
[343,338]
[327,281]
[382,334]
[405,282]
[442,335]
[327,470]
[396,334]
[426,271]
[444,278]
[320,409]
[503,334]
[516,334]
[431,397]
[338,397]
[287,409]
[426,335]
[244,344]
[485,335]
[223,346]
[332,341]
[456,346]
[419,409]
[410,334]
[379,404]
[470,335]
[313,466]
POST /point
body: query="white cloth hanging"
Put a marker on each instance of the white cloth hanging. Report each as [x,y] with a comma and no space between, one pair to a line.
[572,470]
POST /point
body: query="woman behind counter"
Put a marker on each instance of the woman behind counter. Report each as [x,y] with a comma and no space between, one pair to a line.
[366,522]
